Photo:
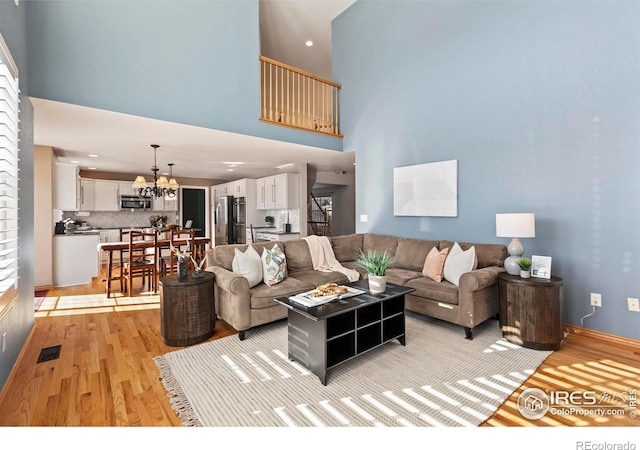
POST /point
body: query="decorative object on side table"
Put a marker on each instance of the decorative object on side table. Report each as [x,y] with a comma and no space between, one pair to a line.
[376,263]
[182,261]
[197,273]
[515,226]
[525,267]
[541,266]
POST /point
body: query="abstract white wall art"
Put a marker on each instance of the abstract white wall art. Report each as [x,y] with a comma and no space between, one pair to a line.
[426,190]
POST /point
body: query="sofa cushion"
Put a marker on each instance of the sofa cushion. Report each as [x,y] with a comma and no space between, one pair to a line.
[401,276]
[317,278]
[434,264]
[380,242]
[222,255]
[298,255]
[411,253]
[248,264]
[262,296]
[274,265]
[425,287]
[487,254]
[459,262]
[346,247]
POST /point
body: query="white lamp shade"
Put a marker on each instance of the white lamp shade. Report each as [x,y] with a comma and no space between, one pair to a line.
[163,183]
[140,182]
[520,225]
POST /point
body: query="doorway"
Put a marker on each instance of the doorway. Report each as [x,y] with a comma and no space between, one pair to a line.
[193,206]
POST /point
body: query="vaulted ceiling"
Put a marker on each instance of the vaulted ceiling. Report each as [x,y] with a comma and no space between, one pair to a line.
[285,25]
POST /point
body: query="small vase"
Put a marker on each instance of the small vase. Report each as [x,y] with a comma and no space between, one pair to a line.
[525,274]
[182,270]
[377,284]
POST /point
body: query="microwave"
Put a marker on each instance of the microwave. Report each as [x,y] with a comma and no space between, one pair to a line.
[134,202]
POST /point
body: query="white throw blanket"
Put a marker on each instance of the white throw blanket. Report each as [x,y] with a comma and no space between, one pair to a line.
[325,260]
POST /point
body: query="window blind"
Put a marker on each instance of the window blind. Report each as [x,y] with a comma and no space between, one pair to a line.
[9,127]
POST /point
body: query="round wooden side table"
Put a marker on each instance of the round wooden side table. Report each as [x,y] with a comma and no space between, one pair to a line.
[187,309]
[531,311]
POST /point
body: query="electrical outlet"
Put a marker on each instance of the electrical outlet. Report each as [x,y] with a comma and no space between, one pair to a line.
[596,299]
[634,304]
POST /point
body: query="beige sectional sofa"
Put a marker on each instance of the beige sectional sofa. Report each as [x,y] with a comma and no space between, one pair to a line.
[472,302]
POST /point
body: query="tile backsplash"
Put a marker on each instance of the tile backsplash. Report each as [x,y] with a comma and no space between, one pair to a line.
[120,219]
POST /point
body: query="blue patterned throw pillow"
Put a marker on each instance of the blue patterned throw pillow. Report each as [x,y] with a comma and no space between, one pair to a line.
[274,265]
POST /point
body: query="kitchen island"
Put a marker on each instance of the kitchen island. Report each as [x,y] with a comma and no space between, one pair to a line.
[74,258]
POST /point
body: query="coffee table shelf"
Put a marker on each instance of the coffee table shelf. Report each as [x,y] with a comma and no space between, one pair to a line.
[323,337]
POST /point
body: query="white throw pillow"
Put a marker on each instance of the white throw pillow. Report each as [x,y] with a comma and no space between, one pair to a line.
[458,262]
[248,264]
[274,265]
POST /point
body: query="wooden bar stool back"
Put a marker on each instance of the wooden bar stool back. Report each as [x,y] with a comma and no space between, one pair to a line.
[142,260]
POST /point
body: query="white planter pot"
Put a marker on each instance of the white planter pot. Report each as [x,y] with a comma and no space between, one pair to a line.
[525,274]
[377,285]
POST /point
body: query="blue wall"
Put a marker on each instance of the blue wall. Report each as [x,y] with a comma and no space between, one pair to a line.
[540,104]
[18,320]
[190,62]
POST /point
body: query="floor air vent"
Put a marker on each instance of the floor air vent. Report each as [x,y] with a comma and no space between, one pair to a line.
[49,354]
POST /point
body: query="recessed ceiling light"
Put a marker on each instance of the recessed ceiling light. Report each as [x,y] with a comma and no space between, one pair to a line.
[91,155]
[309,43]
[229,170]
[91,168]
[232,163]
[74,162]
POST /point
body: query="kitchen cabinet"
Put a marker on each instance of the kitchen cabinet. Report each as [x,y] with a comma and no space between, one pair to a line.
[86,194]
[66,186]
[224,189]
[74,259]
[106,196]
[240,188]
[106,236]
[277,191]
[265,236]
[126,188]
[165,203]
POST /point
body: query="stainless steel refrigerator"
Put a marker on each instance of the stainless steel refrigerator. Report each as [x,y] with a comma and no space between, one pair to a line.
[224,219]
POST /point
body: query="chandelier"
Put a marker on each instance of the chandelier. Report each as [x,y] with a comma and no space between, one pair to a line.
[161,186]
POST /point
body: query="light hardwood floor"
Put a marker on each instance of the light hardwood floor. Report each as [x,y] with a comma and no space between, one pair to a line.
[106,375]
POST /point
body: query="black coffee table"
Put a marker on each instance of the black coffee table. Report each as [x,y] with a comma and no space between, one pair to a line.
[322,337]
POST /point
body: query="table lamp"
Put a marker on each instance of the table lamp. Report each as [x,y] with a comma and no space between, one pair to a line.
[515,226]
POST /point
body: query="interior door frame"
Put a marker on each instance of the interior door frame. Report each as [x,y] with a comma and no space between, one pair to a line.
[207,206]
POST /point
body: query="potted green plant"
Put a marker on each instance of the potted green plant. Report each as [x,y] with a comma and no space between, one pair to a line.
[525,267]
[376,263]
[269,220]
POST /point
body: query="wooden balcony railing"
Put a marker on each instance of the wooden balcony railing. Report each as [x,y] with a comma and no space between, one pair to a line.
[294,98]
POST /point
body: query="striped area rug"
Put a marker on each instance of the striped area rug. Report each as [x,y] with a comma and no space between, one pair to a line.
[438,379]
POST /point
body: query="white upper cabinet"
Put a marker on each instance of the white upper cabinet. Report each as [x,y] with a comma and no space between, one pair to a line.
[66,186]
[240,188]
[224,189]
[86,194]
[277,191]
[126,188]
[106,195]
[165,203]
